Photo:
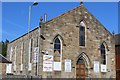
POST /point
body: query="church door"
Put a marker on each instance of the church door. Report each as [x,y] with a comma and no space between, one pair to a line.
[80,68]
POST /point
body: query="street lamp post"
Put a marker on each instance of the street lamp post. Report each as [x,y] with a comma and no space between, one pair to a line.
[30,8]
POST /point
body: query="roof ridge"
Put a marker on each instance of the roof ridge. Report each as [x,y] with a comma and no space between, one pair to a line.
[61,15]
[51,20]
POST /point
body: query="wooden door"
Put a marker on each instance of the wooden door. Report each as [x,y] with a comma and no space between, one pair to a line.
[80,71]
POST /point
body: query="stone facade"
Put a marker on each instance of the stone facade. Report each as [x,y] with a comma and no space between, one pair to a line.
[66,28]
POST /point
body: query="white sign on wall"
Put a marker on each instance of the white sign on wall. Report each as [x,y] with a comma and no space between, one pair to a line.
[103,68]
[57,66]
[8,68]
[67,65]
[47,66]
[47,57]
[96,66]
[47,63]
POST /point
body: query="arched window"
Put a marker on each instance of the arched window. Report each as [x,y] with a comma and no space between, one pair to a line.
[103,54]
[57,45]
[58,49]
[82,36]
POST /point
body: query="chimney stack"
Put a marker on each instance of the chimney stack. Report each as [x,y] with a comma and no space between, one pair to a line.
[45,17]
[81,1]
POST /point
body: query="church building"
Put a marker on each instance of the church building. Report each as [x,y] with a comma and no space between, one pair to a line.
[72,45]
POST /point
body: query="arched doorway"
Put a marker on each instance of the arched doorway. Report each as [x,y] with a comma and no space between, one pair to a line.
[83,66]
[80,68]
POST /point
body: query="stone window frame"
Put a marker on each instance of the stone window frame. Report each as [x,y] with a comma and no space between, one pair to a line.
[57,44]
[106,51]
[82,24]
[82,36]
[103,54]
[61,43]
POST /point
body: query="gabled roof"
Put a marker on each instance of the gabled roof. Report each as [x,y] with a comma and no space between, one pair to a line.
[81,7]
[47,22]
[117,39]
[3,59]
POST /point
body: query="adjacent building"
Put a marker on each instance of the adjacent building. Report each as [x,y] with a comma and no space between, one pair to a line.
[3,62]
[72,45]
[117,51]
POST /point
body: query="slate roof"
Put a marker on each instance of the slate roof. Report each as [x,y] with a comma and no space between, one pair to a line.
[3,59]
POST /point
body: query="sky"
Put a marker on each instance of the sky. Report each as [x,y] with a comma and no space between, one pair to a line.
[15,15]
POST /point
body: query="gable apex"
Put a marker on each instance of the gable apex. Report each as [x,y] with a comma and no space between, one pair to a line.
[82,12]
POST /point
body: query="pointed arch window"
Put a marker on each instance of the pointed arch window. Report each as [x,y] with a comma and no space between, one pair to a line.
[57,45]
[82,36]
[103,54]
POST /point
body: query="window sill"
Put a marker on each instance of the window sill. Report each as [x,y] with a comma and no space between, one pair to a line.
[82,46]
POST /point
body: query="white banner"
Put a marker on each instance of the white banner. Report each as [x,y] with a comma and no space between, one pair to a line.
[67,65]
[103,68]
[96,66]
[36,51]
[47,66]
[57,66]
[8,68]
